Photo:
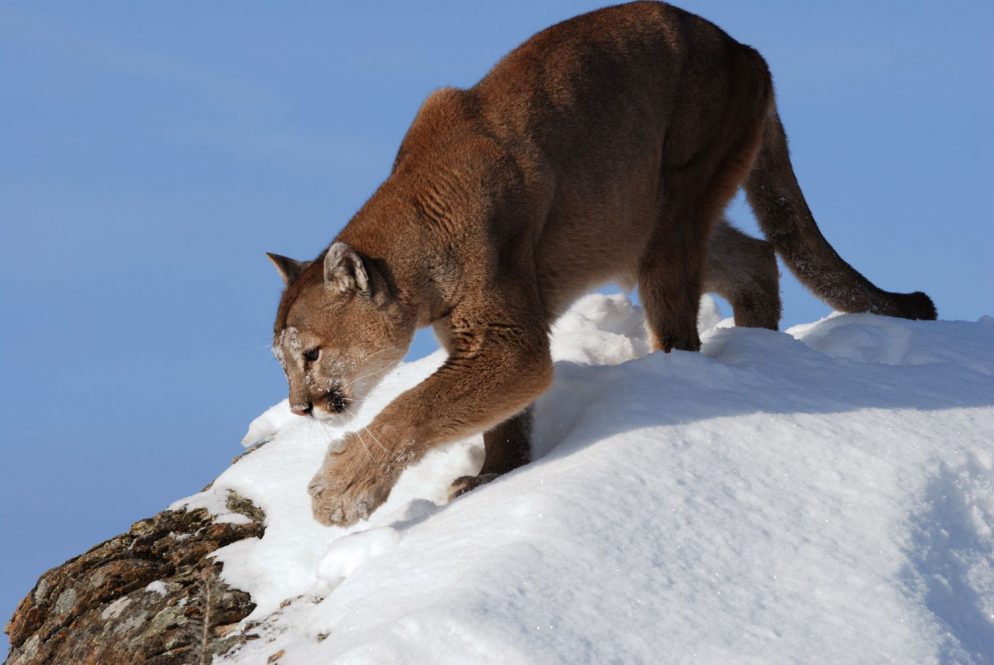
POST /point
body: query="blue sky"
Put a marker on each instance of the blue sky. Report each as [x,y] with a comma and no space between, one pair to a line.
[150,153]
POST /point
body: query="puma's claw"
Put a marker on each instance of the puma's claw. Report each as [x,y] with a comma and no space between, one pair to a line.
[469,483]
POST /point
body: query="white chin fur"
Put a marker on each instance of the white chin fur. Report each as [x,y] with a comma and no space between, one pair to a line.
[360,391]
[331,418]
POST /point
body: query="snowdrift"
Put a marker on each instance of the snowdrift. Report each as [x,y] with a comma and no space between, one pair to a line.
[820,495]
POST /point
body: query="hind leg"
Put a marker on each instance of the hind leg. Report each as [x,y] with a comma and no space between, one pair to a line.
[743,270]
[672,270]
[673,265]
[670,277]
[507,445]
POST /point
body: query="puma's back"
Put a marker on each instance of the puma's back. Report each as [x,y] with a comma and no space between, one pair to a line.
[569,138]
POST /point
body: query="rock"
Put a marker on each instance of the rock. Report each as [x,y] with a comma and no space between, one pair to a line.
[151,595]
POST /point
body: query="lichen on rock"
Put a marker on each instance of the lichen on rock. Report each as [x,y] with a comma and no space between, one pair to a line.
[150,595]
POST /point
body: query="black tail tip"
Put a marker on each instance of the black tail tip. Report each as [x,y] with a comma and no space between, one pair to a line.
[916,306]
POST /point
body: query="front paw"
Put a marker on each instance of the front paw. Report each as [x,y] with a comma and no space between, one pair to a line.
[350,485]
[334,504]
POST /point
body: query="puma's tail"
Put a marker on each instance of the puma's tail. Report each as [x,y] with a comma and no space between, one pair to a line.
[785,219]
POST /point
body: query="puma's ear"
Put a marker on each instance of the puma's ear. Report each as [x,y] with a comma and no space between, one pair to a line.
[344,269]
[289,269]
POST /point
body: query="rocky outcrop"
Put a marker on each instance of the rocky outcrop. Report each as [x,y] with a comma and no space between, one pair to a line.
[150,595]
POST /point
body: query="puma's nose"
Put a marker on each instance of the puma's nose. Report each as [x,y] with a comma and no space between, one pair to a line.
[302,409]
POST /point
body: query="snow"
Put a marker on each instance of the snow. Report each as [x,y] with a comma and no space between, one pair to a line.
[820,495]
[158,586]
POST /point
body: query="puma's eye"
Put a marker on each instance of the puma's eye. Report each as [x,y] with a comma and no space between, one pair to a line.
[311,355]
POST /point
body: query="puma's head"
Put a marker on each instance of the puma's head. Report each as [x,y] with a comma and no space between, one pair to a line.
[339,329]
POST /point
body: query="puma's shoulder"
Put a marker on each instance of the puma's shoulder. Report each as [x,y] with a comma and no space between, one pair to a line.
[438,119]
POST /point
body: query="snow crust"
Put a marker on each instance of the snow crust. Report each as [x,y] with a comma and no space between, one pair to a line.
[824,495]
[158,586]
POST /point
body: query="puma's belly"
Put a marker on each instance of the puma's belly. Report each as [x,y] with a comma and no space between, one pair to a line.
[590,241]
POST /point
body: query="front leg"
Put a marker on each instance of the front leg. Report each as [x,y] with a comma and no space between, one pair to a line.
[495,371]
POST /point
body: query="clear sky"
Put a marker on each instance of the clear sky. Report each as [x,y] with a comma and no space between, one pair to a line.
[150,153]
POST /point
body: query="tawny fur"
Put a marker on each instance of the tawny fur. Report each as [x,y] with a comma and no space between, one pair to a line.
[604,148]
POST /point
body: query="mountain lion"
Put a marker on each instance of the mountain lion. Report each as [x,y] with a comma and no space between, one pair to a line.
[604,148]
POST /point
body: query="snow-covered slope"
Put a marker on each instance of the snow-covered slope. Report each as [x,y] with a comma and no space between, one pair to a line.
[820,495]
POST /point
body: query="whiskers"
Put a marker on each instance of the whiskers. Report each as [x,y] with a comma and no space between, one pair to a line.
[366,429]
[376,353]
[369,453]
[333,432]
[363,433]
[262,348]
[382,370]
[329,431]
